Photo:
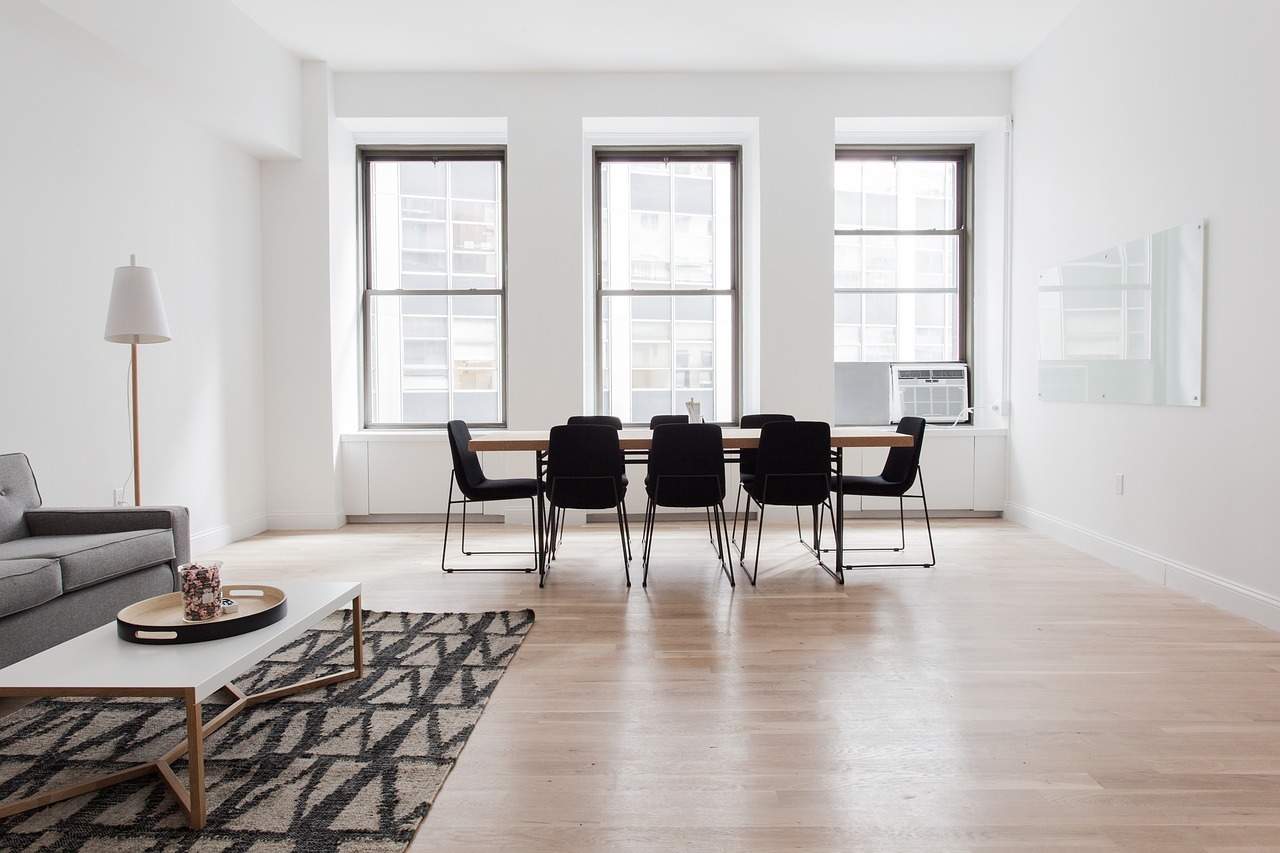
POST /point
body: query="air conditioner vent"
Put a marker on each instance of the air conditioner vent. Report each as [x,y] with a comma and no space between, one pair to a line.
[939,393]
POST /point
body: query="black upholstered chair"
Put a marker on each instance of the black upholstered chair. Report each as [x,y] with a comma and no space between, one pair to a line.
[662,420]
[585,471]
[792,468]
[901,471]
[600,420]
[747,466]
[686,469]
[476,487]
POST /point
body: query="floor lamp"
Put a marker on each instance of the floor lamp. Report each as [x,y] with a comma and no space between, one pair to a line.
[136,316]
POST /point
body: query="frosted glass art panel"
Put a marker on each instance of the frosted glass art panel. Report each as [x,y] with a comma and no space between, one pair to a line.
[1126,325]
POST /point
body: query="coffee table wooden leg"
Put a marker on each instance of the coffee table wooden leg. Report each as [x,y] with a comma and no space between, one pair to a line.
[357,635]
[195,763]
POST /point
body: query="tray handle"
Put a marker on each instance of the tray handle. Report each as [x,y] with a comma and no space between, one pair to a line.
[232,592]
[155,635]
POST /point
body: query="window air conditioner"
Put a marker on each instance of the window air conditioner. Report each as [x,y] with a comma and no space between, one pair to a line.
[939,393]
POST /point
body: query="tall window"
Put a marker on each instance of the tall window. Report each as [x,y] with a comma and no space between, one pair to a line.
[666,226]
[900,247]
[435,286]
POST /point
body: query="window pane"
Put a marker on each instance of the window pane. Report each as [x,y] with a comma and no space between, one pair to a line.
[433,358]
[421,178]
[660,351]
[666,226]
[907,194]
[909,263]
[435,225]
[474,179]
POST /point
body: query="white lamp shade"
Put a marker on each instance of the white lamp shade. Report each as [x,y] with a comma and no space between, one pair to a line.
[136,314]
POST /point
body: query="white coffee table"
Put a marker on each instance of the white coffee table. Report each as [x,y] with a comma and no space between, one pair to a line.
[99,663]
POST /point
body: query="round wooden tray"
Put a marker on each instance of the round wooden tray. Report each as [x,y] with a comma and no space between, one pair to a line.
[159,621]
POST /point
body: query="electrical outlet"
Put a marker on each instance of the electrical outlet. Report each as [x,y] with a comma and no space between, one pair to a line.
[1119,484]
[117,497]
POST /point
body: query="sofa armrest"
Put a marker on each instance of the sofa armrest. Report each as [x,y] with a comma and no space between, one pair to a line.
[65,522]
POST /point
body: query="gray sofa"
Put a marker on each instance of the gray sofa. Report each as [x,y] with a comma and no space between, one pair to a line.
[65,571]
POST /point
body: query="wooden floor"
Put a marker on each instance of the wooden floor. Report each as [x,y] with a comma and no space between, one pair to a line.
[1020,696]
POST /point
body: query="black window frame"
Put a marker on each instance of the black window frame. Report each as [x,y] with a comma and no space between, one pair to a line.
[732,154]
[366,156]
[962,156]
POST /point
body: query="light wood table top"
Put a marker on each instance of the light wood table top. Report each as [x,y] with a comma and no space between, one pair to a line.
[641,439]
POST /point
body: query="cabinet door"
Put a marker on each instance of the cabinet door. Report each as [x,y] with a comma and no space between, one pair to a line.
[409,477]
[947,463]
[355,477]
[989,461]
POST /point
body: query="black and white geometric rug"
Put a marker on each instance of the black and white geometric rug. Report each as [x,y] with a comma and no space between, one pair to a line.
[349,768]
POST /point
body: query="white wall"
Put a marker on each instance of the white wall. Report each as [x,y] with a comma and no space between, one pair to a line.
[1134,116]
[309,301]
[796,118]
[94,166]
[209,61]
[790,126]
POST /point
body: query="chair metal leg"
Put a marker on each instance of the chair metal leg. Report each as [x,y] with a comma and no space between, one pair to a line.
[622,534]
[742,546]
[645,562]
[711,537]
[726,568]
[933,558]
[736,499]
[554,521]
[444,548]
[448,512]
[626,525]
[799,530]
[759,532]
[464,530]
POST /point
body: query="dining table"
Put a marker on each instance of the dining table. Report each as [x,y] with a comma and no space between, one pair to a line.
[635,444]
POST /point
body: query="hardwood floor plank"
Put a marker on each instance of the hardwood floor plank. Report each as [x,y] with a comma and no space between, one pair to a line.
[1019,696]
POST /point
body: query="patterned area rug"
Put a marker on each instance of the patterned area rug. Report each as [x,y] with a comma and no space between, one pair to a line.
[349,768]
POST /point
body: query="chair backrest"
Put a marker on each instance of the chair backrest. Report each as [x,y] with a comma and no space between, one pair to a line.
[598,420]
[18,493]
[686,465]
[903,462]
[584,467]
[466,462]
[794,463]
[661,420]
[747,458]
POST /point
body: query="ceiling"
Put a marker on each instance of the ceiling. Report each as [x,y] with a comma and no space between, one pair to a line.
[659,35]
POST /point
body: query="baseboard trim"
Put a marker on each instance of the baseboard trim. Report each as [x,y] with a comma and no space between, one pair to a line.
[426,518]
[305,520]
[225,534]
[1226,594]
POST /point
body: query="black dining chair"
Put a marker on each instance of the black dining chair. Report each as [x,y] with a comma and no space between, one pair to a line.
[662,420]
[793,468]
[901,471]
[585,471]
[686,469]
[598,420]
[747,466]
[476,487]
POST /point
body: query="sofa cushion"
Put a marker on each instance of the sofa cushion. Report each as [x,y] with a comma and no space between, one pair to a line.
[92,558]
[25,584]
[18,493]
